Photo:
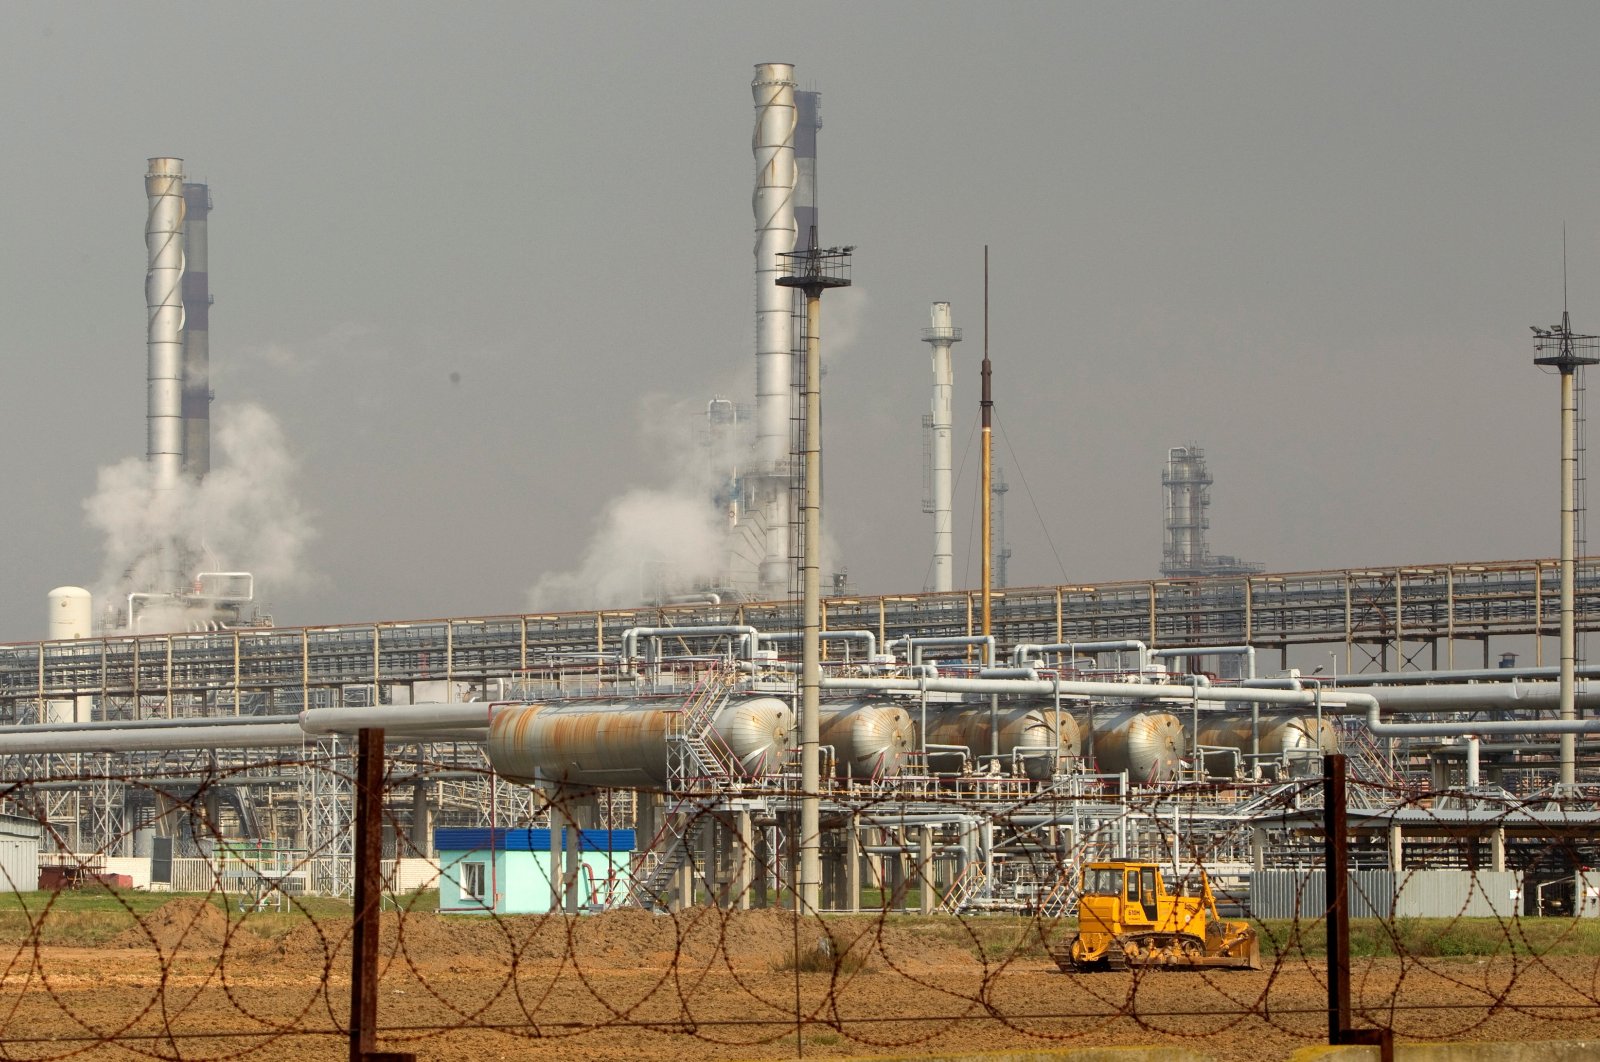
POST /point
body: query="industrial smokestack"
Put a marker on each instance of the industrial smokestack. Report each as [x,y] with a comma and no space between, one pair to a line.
[940,337]
[774,90]
[196,334]
[808,119]
[163,293]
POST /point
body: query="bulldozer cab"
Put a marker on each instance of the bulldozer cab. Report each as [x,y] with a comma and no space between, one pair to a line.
[1123,892]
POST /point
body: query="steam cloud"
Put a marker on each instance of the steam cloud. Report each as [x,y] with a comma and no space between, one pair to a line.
[242,517]
[651,541]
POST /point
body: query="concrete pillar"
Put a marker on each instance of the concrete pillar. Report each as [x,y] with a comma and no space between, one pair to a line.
[744,860]
[852,865]
[1258,849]
[557,824]
[1497,849]
[925,869]
[421,819]
[1397,860]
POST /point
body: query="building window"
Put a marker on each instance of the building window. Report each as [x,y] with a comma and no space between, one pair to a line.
[472,879]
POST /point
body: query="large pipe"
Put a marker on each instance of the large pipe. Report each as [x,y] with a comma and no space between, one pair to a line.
[196,333]
[747,637]
[1478,696]
[1022,652]
[400,718]
[914,646]
[160,739]
[1246,651]
[940,336]
[867,637]
[773,146]
[163,293]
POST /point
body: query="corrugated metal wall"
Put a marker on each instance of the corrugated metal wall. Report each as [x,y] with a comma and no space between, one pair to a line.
[1382,894]
[1299,894]
[19,854]
[1448,893]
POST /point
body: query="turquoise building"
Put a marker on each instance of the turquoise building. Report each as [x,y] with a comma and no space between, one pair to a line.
[483,870]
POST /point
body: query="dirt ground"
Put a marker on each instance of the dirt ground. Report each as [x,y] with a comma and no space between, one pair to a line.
[710,984]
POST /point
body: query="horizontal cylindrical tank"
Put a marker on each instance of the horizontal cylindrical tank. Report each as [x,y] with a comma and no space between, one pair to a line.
[1299,741]
[1148,745]
[626,744]
[71,613]
[1027,738]
[869,740]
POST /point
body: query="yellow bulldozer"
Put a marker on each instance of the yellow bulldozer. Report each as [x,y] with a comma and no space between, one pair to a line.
[1128,916]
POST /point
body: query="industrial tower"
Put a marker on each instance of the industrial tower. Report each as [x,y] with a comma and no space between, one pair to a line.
[1184,551]
[936,427]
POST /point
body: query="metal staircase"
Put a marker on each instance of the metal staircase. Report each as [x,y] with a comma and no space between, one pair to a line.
[697,757]
[971,883]
[699,763]
[1062,899]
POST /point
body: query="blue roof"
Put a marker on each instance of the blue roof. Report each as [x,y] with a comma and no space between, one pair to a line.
[526,839]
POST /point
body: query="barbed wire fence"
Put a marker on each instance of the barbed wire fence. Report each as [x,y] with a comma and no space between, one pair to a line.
[599,924]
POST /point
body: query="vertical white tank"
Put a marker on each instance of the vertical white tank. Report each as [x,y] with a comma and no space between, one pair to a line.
[940,336]
[71,613]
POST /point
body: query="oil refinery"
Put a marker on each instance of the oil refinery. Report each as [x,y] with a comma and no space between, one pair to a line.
[769,743]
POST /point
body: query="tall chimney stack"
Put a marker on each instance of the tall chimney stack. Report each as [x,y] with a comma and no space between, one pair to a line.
[196,334]
[163,294]
[774,89]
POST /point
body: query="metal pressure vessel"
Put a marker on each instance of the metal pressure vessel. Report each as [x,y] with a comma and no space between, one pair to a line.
[870,740]
[1297,741]
[1150,746]
[1027,738]
[626,745]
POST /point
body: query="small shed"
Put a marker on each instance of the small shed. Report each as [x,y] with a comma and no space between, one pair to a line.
[19,854]
[483,870]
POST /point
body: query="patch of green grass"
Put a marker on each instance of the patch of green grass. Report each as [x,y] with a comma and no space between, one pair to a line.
[91,916]
[76,917]
[1437,937]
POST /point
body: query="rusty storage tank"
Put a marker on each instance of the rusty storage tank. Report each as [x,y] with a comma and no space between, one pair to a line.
[624,745]
[870,740]
[1295,742]
[1149,745]
[1027,736]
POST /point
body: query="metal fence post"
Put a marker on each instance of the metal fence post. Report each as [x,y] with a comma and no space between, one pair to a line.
[369,892]
[1336,885]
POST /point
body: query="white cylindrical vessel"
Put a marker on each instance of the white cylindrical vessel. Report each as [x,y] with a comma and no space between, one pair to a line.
[1293,742]
[1026,742]
[626,745]
[71,613]
[870,740]
[1148,745]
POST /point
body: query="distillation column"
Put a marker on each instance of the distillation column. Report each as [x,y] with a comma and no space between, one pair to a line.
[774,92]
[940,336]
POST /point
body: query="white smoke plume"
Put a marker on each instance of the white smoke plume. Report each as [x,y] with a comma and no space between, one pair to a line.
[243,516]
[651,542]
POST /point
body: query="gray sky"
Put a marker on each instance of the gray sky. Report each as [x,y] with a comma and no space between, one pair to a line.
[1309,238]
